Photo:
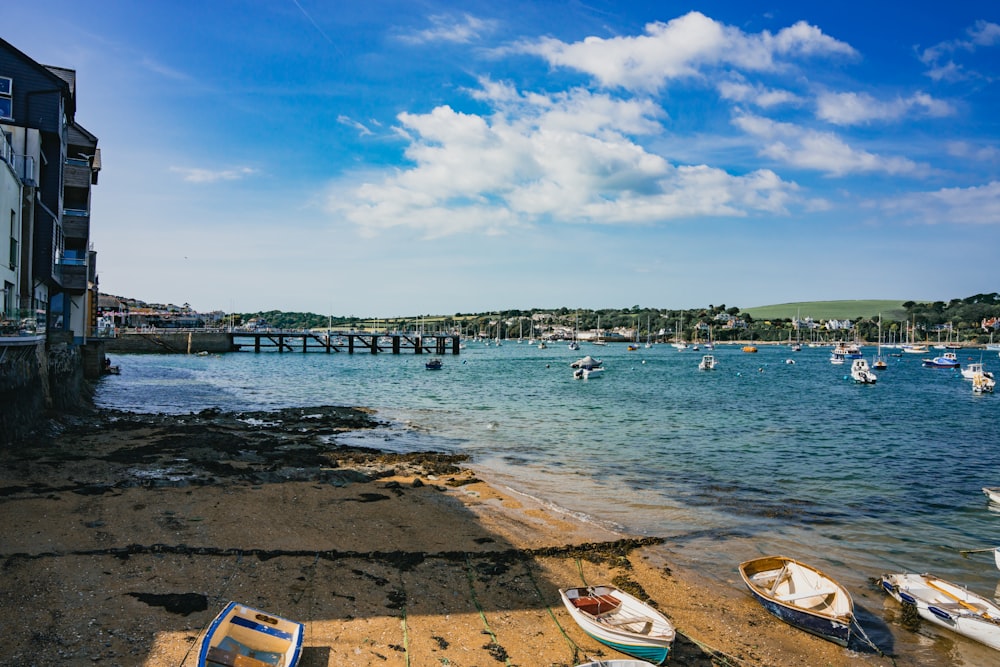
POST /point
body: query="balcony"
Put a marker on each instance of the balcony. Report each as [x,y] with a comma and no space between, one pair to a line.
[76,224]
[77,174]
[72,274]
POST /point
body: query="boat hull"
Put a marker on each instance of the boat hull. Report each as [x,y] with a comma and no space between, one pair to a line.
[614,627]
[805,598]
[946,605]
[244,632]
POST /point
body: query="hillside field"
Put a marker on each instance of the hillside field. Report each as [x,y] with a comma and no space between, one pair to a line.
[831,310]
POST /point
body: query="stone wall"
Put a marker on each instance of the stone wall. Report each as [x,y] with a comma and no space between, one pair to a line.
[162,342]
[36,379]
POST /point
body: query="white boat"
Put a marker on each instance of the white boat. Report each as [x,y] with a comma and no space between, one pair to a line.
[707,363]
[587,362]
[242,635]
[993,493]
[971,369]
[861,373]
[801,596]
[587,373]
[948,605]
[983,383]
[616,619]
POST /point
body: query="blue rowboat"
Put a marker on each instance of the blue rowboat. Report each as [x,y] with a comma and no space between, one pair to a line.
[620,621]
[241,635]
[801,595]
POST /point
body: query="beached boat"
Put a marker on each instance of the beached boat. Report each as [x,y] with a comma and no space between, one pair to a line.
[993,493]
[801,596]
[617,663]
[861,373]
[707,363]
[241,636]
[948,605]
[616,619]
[946,360]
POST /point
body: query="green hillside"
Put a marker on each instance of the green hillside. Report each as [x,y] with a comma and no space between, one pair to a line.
[831,310]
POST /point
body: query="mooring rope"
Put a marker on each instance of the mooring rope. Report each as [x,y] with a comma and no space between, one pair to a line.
[479,607]
[569,640]
[218,596]
[402,622]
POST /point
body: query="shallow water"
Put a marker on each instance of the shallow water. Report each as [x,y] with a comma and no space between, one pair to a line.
[757,457]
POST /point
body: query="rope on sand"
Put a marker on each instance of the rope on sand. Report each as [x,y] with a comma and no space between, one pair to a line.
[479,607]
[577,651]
[218,597]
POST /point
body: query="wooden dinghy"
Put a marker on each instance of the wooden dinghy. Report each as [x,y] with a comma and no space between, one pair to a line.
[617,663]
[620,621]
[947,605]
[801,596]
[241,636]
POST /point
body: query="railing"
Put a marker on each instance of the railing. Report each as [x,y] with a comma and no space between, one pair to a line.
[23,322]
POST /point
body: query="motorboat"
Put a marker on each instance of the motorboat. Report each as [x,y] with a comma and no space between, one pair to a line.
[861,373]
[946,360]
[707,363]
[973,368]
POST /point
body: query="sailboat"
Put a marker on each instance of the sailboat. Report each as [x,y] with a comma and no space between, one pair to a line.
[678,343]
[599,339]
[797,345]
[879,362]
[649,342]
[573,344]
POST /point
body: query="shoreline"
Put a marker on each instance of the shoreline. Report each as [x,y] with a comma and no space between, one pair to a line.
[127,533]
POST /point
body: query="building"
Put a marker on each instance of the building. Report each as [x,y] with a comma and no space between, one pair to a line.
[52,276]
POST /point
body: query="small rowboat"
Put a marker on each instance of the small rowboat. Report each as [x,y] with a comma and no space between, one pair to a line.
[801,596]
[241,636]
[947,605]
[616,619]
[617,663]
[993,493]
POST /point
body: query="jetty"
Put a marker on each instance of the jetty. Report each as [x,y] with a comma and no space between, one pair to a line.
[201,341]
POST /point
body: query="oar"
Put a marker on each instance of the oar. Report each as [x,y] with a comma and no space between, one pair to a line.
[967,605]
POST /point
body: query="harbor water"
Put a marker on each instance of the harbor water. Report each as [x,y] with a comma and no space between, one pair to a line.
[772,452]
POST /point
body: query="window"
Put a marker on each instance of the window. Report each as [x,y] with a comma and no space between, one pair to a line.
[6,97]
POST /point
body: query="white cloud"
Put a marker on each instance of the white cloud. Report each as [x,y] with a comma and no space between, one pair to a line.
[460,30]
[979,205]
[819,151]
[350,122]
[756,94]
[681,48]
[861,108]
[563,158]
[938,58]
[196,175]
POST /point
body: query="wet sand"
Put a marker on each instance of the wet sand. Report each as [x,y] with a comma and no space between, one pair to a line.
[123,536]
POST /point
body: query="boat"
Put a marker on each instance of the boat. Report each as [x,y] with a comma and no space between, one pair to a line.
[707,363]
[587,373]
[801,595]
[946,360]
[750,348]
[970,370]
[993,493]
[617,663]
[434,365]
[620,621]
[878,363]
[861,373]
[836,358]
[243,636]
[983,383]
[948,605]
[587,362]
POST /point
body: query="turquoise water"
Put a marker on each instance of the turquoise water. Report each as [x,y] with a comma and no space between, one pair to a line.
[757,457]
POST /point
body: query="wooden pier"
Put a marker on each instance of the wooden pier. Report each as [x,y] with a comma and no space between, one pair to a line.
[350,342]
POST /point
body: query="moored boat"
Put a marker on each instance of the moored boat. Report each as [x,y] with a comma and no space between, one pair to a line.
[993,493]
[242,635]
[861,373]
[707,363]
[750,348]
[434,365]
[947,605]
[946,360]
[620,621]
[801,595]
[970,370]
[983,383]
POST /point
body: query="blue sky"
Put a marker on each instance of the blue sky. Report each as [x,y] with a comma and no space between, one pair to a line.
[422,157]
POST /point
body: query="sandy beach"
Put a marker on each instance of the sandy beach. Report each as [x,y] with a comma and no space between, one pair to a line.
[125,534]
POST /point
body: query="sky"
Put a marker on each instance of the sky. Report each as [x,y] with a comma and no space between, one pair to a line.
[419,157]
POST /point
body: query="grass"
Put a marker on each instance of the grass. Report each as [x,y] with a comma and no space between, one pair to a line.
[830,310]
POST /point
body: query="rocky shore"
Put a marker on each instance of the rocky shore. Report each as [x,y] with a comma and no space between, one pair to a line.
[125,534]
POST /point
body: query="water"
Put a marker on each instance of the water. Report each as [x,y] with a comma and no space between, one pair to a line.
[757,457]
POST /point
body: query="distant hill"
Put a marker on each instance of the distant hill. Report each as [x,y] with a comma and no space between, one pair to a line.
[831,310]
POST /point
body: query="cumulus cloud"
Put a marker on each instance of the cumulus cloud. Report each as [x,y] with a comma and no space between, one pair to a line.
[978,205]
[681,48]
[196,175]
[861,108]
[819,151]
[540,159]
[756,94]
